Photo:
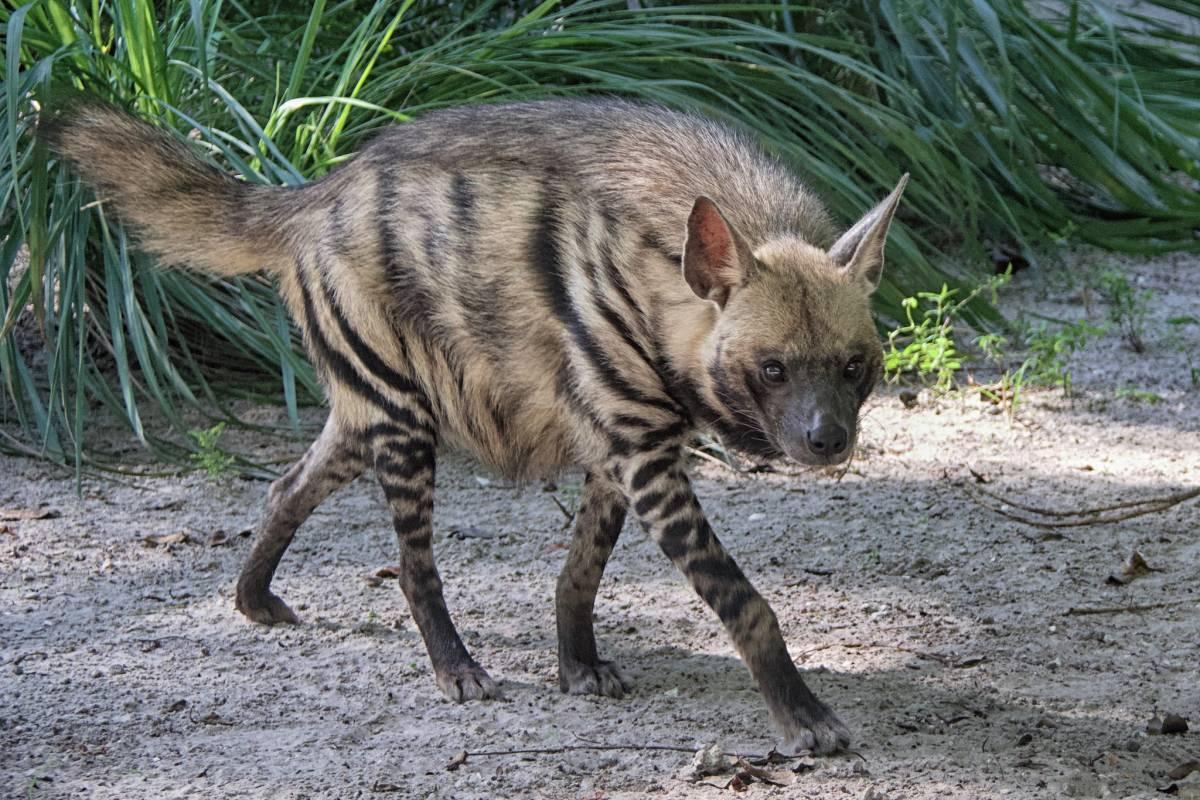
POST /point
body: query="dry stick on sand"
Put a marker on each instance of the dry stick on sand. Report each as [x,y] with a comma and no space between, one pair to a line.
[1059,518]
[461,756]
[1085,611]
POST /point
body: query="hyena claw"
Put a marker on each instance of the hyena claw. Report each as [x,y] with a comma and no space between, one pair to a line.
[265,608]
[816,730]
[603,677]
[467,681]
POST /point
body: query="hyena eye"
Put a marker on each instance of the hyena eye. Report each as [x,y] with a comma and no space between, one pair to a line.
[854,369]
[773,372]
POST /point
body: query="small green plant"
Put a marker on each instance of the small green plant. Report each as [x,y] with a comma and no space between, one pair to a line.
[208,457]
[1048,362]
[1176,338]
[1050,352]
[1138,395]
[1127,307]
[924,345]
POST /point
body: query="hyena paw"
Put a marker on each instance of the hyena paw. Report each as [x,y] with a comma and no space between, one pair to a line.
[266,608]
[603,677]
[815,729]
[467,681]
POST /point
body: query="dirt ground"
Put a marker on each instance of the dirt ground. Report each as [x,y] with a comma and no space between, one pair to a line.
[946,635]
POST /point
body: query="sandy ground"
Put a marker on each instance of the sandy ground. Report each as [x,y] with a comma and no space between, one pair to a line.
[942,632]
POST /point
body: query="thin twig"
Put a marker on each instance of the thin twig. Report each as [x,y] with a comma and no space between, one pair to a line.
[1052,512]
[590,744]
[1085,611]
[570,748]
[1076,519]
[944,660]
[695,451]
[570,515]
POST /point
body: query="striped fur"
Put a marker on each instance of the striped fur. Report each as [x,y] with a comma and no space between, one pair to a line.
[543,285]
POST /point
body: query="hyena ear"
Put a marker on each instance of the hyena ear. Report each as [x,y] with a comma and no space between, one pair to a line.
[860,250]
[716,259]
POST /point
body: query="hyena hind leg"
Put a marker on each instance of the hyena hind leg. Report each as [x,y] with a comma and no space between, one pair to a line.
[404,464]
[331,462]
[597,526]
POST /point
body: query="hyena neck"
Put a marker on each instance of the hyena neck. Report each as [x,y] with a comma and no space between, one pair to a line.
[687,344]
[685,328]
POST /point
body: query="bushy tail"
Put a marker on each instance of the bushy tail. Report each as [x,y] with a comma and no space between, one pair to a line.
[182,209]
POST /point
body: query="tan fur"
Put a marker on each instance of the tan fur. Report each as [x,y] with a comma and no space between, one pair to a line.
[511,280]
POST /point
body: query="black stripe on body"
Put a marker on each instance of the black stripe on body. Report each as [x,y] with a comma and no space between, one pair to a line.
[347,375]
[409,292]
[546,256]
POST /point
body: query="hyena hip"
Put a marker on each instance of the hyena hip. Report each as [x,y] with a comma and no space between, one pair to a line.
[544,285]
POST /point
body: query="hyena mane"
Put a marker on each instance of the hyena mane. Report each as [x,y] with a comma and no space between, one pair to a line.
[543,285]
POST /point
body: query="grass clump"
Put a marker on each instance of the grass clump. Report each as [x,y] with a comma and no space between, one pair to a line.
[1018,124]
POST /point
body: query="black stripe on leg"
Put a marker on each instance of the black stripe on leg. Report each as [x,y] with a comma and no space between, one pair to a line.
[404,493]
[674,540]
[651,470]
[408,523]
[675,504]
[647,503]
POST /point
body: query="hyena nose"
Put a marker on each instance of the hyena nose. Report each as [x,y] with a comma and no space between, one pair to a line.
[827,439]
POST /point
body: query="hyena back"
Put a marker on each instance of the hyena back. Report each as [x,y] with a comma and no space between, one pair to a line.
[544,285]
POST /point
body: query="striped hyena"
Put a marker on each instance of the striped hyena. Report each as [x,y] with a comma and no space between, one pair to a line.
[544,285]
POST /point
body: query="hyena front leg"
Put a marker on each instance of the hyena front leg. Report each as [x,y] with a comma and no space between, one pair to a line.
[331,462]
[404,464]
[665,504]
[597,526]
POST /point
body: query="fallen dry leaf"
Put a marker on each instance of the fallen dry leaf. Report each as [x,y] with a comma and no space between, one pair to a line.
[388,572]
[967,662]
[1134,567]
[21,514]
[166,539]
[213,718]
[978,476]
[385,788]
[1183,770]
[775,777]
[456,761]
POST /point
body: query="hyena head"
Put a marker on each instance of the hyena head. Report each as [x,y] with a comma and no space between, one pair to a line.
[794,352]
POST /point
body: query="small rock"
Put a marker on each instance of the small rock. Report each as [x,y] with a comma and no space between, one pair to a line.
[1082,784]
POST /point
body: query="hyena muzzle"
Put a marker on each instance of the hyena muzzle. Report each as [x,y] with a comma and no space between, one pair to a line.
[566,283]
